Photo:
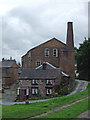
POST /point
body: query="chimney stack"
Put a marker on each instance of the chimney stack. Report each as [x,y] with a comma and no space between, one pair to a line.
[44,65]
[70,41]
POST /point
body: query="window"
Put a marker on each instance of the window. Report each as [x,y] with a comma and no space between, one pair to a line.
[24,92]
[7,70]
[46,52]
[18,90]
[49,82]
[34,91]
[55,52]
[29,54]
[34,81]
[38,63]
[27,91]
[49,91]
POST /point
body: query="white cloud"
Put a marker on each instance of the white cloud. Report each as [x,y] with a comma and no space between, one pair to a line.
[28,25]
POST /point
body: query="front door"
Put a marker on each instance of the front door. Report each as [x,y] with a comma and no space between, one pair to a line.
[23,94]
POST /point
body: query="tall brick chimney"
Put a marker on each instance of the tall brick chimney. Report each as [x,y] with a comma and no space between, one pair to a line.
[70,40]
[70,50]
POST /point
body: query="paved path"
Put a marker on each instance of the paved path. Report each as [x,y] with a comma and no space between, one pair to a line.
[9,96]
[85,114]
[57,109]
[81,86]
[33,101]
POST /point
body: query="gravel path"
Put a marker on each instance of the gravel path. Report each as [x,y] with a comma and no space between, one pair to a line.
[85,114]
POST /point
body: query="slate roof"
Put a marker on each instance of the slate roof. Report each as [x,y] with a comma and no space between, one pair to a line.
[28,73]
[6,63]
[50,72]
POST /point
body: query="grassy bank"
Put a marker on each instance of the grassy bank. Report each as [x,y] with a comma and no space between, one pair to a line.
[32,109]
[70,112]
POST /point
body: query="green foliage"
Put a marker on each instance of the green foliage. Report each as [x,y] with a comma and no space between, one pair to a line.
[83,58]
[76,53]
[19,65]
[64,90]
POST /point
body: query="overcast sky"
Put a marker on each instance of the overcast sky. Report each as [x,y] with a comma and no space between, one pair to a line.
[28,23]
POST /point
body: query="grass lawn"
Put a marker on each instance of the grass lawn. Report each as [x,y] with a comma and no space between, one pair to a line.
[32,109]
[70,112]
[0,95]
[0,112]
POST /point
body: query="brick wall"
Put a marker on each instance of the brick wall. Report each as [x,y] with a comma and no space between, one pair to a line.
[9,75]
[38,54]
[65,59]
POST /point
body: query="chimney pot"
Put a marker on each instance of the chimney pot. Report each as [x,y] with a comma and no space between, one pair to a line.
[44,65]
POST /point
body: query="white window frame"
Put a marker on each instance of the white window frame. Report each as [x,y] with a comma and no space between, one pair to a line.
[55,50]
[50,90]
[47,81]
[18,91]
[33,81]
[27,93]
[34,91]
[51,81]
[29,54]
[36,81]
[46,52]
[47,92]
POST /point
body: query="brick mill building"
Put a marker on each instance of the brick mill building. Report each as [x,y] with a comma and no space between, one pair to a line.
[9,72]
[54,52]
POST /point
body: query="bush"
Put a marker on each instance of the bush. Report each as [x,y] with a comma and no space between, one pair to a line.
[63,91]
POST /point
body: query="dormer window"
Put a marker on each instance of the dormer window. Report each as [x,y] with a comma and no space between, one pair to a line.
[49,82]
[46,52]
[34,81]
[55,52]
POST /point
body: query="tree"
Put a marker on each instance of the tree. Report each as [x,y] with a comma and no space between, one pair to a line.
[19,65]
[19,68]
[83,58]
